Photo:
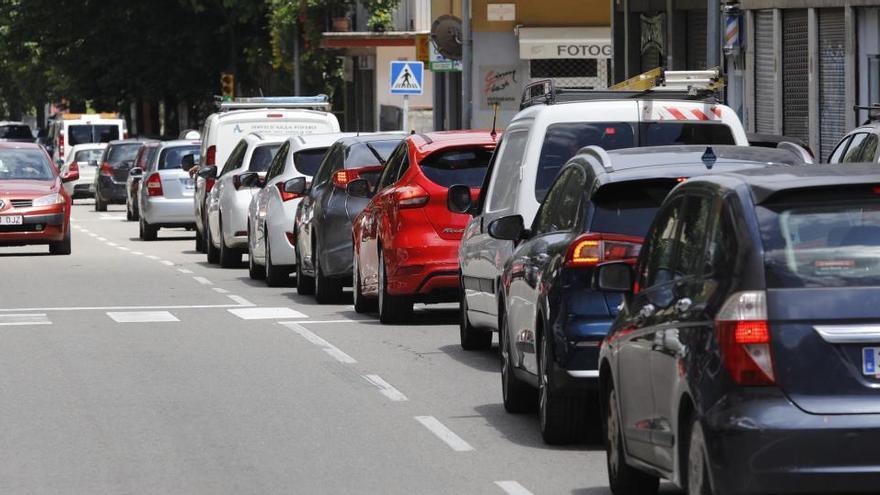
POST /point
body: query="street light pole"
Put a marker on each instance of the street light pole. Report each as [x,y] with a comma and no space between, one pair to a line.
[466,64]
[296,59]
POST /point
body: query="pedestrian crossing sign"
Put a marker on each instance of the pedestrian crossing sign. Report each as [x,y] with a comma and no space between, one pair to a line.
[407,77]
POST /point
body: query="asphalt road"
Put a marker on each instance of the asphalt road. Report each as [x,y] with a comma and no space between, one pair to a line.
[135,367]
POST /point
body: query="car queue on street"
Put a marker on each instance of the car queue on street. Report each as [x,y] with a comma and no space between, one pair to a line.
[703,306]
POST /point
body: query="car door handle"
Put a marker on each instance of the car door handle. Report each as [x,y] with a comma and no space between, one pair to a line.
[647,311]
[683,305]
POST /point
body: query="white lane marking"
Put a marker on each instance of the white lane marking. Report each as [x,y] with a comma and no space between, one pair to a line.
[203,280]
[152,256]
[111,308]
[141,316]
[336,321]
[242,301]
[386,388]
[112,244]
[184,270]
[512,488]
[93,234]
[137,253]
[443,433]
[84,230]
[123,248]
[329,348]
[166,262]
[24,319]
[220,290]
[266,313]
[102,239]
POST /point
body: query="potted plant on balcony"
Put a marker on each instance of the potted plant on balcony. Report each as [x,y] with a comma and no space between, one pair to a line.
[339,15]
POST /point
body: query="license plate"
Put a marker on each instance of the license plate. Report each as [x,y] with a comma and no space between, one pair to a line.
[10,220]
[871,361]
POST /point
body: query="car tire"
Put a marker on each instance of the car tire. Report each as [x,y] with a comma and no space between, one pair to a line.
[61,247]
[518,397]
[562,418]
[276,276]
[212,252]
[392,309]
[361,303]
[622,478]
[255,271]
[229,258]
[200,241]
[99,205]
[305,285]
[128,213]
[327,290]
[135,212]
[697,471]
[147,232]
[472,338]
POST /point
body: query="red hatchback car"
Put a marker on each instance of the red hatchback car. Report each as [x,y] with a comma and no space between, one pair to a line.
[34,209]
[406,240]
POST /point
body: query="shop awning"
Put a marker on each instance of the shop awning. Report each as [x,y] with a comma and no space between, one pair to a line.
[564,42]
[361,39]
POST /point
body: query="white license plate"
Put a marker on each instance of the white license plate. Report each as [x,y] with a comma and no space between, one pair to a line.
[871,361]
[10,220]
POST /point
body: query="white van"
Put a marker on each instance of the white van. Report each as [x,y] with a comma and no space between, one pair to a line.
[70,129]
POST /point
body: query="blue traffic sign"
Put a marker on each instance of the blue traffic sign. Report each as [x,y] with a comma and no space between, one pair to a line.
[407,77]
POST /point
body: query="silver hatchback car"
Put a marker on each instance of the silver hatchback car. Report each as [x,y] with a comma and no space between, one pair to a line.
[165,195]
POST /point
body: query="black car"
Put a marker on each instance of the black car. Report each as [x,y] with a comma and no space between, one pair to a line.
[324,216]
[110,181]
[745,356]
[552,319]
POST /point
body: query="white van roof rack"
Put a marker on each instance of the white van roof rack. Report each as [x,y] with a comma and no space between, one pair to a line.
[318,102]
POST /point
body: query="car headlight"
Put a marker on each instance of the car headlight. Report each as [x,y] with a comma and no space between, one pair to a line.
[49,199]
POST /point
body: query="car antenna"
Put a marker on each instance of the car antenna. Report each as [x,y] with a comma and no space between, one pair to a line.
[494,121]
[709,157]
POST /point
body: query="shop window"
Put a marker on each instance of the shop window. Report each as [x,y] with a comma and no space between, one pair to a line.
[563,67]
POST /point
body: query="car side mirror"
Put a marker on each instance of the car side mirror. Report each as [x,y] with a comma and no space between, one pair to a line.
[509,228]
[359,188]
[297,186]
[70,176]
[208,172]
[136,172]
[188,162]
[458,199]
[249,179]
[616,276]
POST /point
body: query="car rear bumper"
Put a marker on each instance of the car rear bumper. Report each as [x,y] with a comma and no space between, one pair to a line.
[433,282]
[160,211]
[760,442]
[110,191]
[39,228]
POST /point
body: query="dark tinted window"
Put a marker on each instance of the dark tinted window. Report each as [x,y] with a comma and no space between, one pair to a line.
[665,133]
[122,153]
[79,134]
[277,165]
[235,158]
[17,131]
[25,164]
[659,261]
[691,238]
[172,158]
[628,208]
[88,155]
[721,248]
[395,164]
[562,206]
[462,166]
[369,154]
[262,156]
[837,155]
[853,153]
[562,141]
[308,161]
[332,161]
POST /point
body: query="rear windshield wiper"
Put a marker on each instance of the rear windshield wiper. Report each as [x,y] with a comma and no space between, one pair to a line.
[376,154]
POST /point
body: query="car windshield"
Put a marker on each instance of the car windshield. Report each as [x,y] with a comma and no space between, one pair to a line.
[459,166]
[25,165]
[364,154]
[262,157]
[88,155]
[822,245]
[81,133]
[628,208]
[308,161]
[120,153]
[172,158]
[15,131]
[666,133]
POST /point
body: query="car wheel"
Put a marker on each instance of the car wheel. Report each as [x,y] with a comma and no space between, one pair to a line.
[562,418]
[472,339]
[305,285]
[135,212]
[147,231]
[327,290]
[99,205]
[361,303]
[622,478]
[61,247]
[255,271]
[697,472]
[229,258]
[200,241]
[212,252]
[392,309]
[518,397]
[128,213]
[276,276]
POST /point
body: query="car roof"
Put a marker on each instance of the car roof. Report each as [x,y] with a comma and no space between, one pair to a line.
[178,142]
[672,155]
[131,141]
[232,114]
[371,138]
[323,140]
[86,146]
[431,141]
[12,122]
[19,145]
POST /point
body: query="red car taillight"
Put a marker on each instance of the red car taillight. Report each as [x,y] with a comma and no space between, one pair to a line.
[107,169]
[211,156]
[61,145]
[74,167]
[342,177]
[285,196]
[412,196]
[209,184]
[744,338]
[591,249]
[154,185]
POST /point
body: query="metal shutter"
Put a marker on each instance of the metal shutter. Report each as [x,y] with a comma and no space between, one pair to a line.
[696,39]
[832,83]
[764,72]
[795,75]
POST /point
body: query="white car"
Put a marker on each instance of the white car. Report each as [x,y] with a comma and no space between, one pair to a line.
[87,158]
[227,203]
[272,212]
[166,190]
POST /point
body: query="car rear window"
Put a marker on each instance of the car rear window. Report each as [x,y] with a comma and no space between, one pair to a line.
[666,133]
[172,158]
[17,131]
[308,161]
[101,133]
[262,157]
[365,154]
[458,166]
[119,153]
[25,165]
[562,141]
[822,244]
[88,155]
[628,208]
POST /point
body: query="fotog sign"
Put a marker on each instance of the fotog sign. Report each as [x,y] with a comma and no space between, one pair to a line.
[585,42]
[584,50]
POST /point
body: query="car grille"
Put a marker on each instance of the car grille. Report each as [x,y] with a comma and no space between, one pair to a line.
[22,203]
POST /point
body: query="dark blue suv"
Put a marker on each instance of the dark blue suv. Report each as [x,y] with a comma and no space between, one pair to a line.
[745,356]
[551,318]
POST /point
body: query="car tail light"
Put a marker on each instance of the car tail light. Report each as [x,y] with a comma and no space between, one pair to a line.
[154,185]
[411,196]
[342,177]
[291,238]
[107,169]
[744,338]
[592,249]
[61,145]
[285,196]
[209,184]
[74,167]
[211,156]
[124,134]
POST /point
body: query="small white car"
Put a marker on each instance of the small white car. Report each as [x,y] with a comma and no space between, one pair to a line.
[272,212]
[165,192]
[87,158]
[227,202]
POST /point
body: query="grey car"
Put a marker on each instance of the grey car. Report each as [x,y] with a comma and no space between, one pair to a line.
[165,193]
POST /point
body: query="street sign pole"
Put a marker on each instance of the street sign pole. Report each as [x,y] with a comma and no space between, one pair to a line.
[405,113]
